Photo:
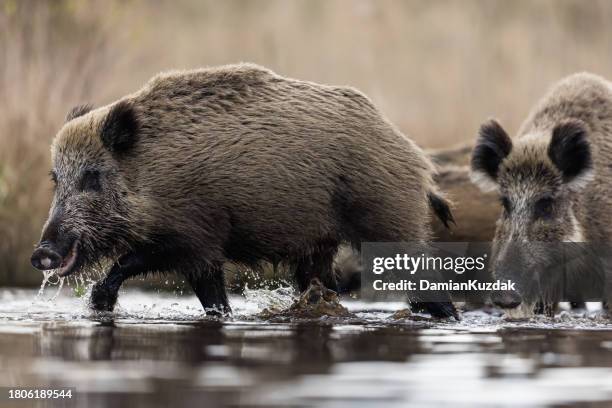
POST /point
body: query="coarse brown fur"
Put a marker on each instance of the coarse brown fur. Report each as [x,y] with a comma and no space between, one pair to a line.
[554,180]
[239,164]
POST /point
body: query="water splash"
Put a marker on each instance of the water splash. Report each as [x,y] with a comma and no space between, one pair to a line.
[46,276]
[274,300]
[59,282]
[60,285]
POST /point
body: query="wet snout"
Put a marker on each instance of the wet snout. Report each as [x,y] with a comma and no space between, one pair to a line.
[46,257]
[56,250]
[506,299]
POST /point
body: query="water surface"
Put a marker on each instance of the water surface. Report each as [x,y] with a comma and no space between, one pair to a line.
[157,350]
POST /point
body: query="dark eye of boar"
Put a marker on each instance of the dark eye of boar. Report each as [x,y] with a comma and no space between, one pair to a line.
[90,181]
[543,208]
[506,204]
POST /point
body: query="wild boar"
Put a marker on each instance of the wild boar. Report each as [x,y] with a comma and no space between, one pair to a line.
[554,181]
[231,164]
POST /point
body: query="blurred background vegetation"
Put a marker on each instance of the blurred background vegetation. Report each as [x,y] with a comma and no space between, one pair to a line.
[435,68]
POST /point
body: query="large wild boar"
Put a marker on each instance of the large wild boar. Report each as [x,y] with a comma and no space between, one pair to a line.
[237,164]
[555,182]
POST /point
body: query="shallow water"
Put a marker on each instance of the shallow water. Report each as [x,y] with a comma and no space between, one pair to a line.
[157,350]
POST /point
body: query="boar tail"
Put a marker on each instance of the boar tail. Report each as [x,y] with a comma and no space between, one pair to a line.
[441,208]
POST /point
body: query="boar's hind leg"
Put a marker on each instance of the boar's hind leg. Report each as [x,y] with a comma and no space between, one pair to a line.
[438,310]
[317,265]
[104,293]
[208,283]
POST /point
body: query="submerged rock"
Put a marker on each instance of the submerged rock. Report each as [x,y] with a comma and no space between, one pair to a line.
[401,314]
[316,301]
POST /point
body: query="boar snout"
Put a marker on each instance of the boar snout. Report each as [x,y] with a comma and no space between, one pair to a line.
[507,299]
[46,257]
[57,250]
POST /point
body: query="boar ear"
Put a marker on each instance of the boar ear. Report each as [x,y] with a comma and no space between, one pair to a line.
[492,147]
[120,128]
[570,152]
[77,111]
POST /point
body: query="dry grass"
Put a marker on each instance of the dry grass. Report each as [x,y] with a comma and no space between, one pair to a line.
[41,73]
[436,68]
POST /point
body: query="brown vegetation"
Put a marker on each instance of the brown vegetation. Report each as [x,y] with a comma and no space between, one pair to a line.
[436,68]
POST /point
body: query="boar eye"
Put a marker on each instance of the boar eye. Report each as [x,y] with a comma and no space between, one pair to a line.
[505,202]
[543,208]
[90,181]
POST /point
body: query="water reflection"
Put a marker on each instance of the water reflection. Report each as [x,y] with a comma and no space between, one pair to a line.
[135,362]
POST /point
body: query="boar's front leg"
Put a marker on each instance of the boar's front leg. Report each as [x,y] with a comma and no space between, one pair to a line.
[104,292]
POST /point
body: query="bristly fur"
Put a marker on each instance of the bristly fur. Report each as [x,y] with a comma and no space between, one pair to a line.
[78,111]
[239,164]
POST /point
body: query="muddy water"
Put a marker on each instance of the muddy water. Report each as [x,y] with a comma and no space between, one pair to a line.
[157,350]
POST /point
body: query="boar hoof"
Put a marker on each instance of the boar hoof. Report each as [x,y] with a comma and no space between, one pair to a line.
[438,310]
[103,299]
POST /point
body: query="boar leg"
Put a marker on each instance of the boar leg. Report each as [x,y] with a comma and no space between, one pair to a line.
[442,308]
[104,293]
[439,310]
[209,286]
[318,265]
